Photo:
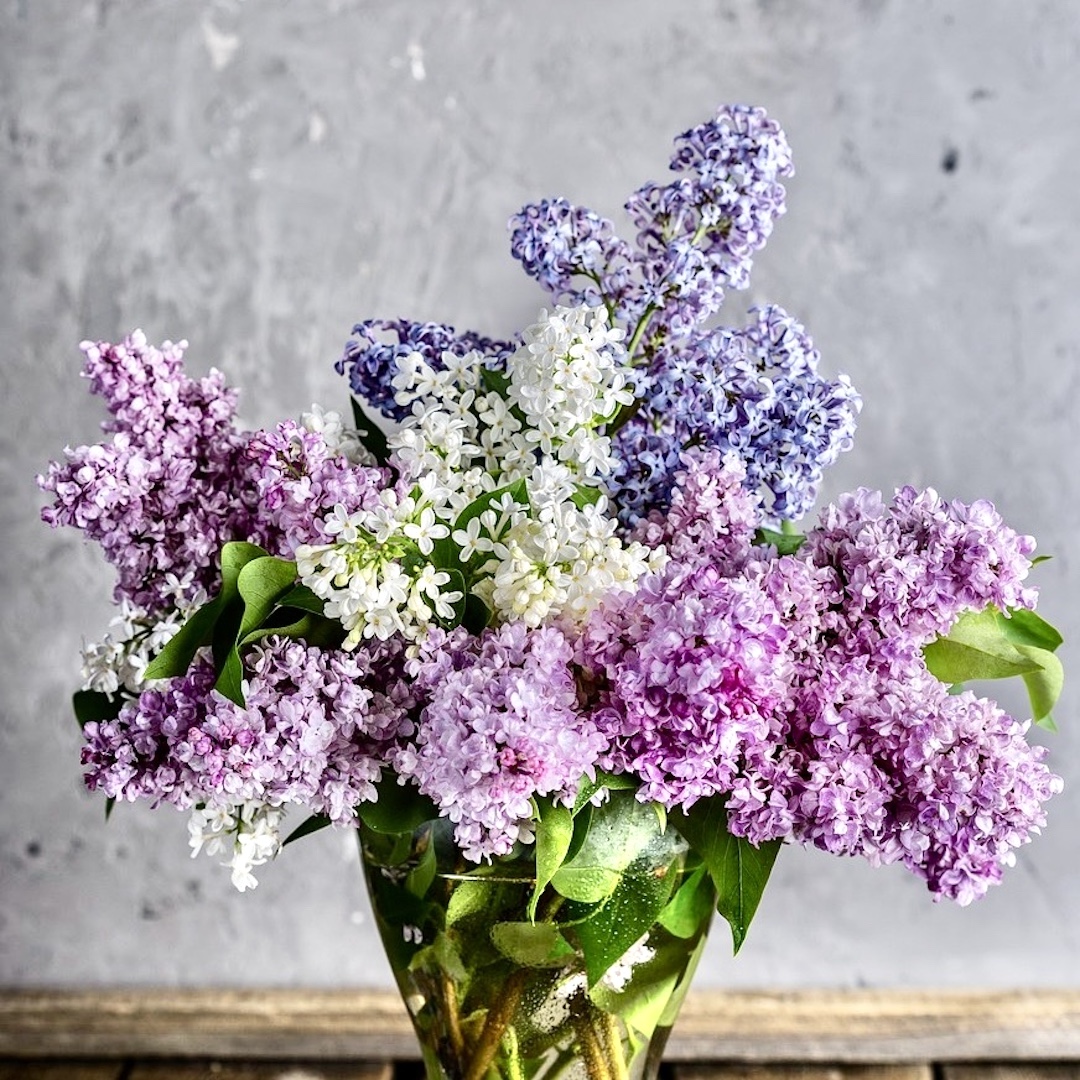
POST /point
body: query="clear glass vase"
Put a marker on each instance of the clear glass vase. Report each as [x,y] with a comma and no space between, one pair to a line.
[504,981]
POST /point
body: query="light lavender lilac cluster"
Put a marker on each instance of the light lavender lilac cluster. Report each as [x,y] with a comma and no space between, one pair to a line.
[170,486]
[562,568]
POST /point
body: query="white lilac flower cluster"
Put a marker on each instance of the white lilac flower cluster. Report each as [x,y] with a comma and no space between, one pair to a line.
[246,833]
[546,548]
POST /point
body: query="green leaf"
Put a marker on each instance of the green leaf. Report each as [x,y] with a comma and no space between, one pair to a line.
[314,629]
[689,909]
[739,870]
[468,898]
[92,705]
[627,914]
[612,781]
[644,1001]
[235,555]
[1044,685]
[230,680]
[554,832]
[976,648]
[1023,627]
[178,652]
[445,554]
[370,434]
[477,614]
[786,543]
[260,583]
[400,808]
[310,825]
[302,598]
[585,495]
[518,491]
[532,944]
[419,878]
[495,381]
[441,959]
[620,831]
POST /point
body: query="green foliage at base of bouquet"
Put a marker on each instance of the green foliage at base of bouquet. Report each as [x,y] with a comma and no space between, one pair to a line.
[586,938]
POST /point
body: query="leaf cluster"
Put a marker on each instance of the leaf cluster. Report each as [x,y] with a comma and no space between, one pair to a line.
[259,596]
[992,644]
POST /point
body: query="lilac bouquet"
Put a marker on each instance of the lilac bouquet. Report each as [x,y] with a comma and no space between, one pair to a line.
[535,586]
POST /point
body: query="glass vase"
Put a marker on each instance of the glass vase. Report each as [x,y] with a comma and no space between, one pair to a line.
[505,981]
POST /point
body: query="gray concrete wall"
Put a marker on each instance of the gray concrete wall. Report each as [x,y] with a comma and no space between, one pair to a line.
[256,175]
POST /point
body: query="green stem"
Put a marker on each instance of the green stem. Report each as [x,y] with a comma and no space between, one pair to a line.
[639,331]
[453,1022]
[613,1046]
[497,1019]
[591,1051]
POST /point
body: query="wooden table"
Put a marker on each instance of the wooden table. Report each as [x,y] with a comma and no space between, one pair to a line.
[365,1035]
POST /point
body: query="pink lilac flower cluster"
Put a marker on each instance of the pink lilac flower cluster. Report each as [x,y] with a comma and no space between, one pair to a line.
[313,731]
[170,487]
[501,724]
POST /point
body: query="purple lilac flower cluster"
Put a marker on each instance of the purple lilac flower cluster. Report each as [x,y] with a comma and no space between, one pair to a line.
[370,359]
[576,255]
[170,487]
[501,724]
[317,728]
[697,235]
[755,391]
[796,687]
[300,479]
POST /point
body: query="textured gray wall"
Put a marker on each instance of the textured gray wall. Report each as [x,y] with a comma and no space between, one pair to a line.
[256,176]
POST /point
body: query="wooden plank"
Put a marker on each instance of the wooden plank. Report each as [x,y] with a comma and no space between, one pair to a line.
[1012,1072]
[259,1024]
[264,1070]
[804,1072]
[878,1026]
[71,1069]
[857,1027]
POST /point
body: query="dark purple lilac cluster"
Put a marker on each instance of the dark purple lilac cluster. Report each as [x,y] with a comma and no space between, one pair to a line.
[756,392]
[172,484]
[370,359]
